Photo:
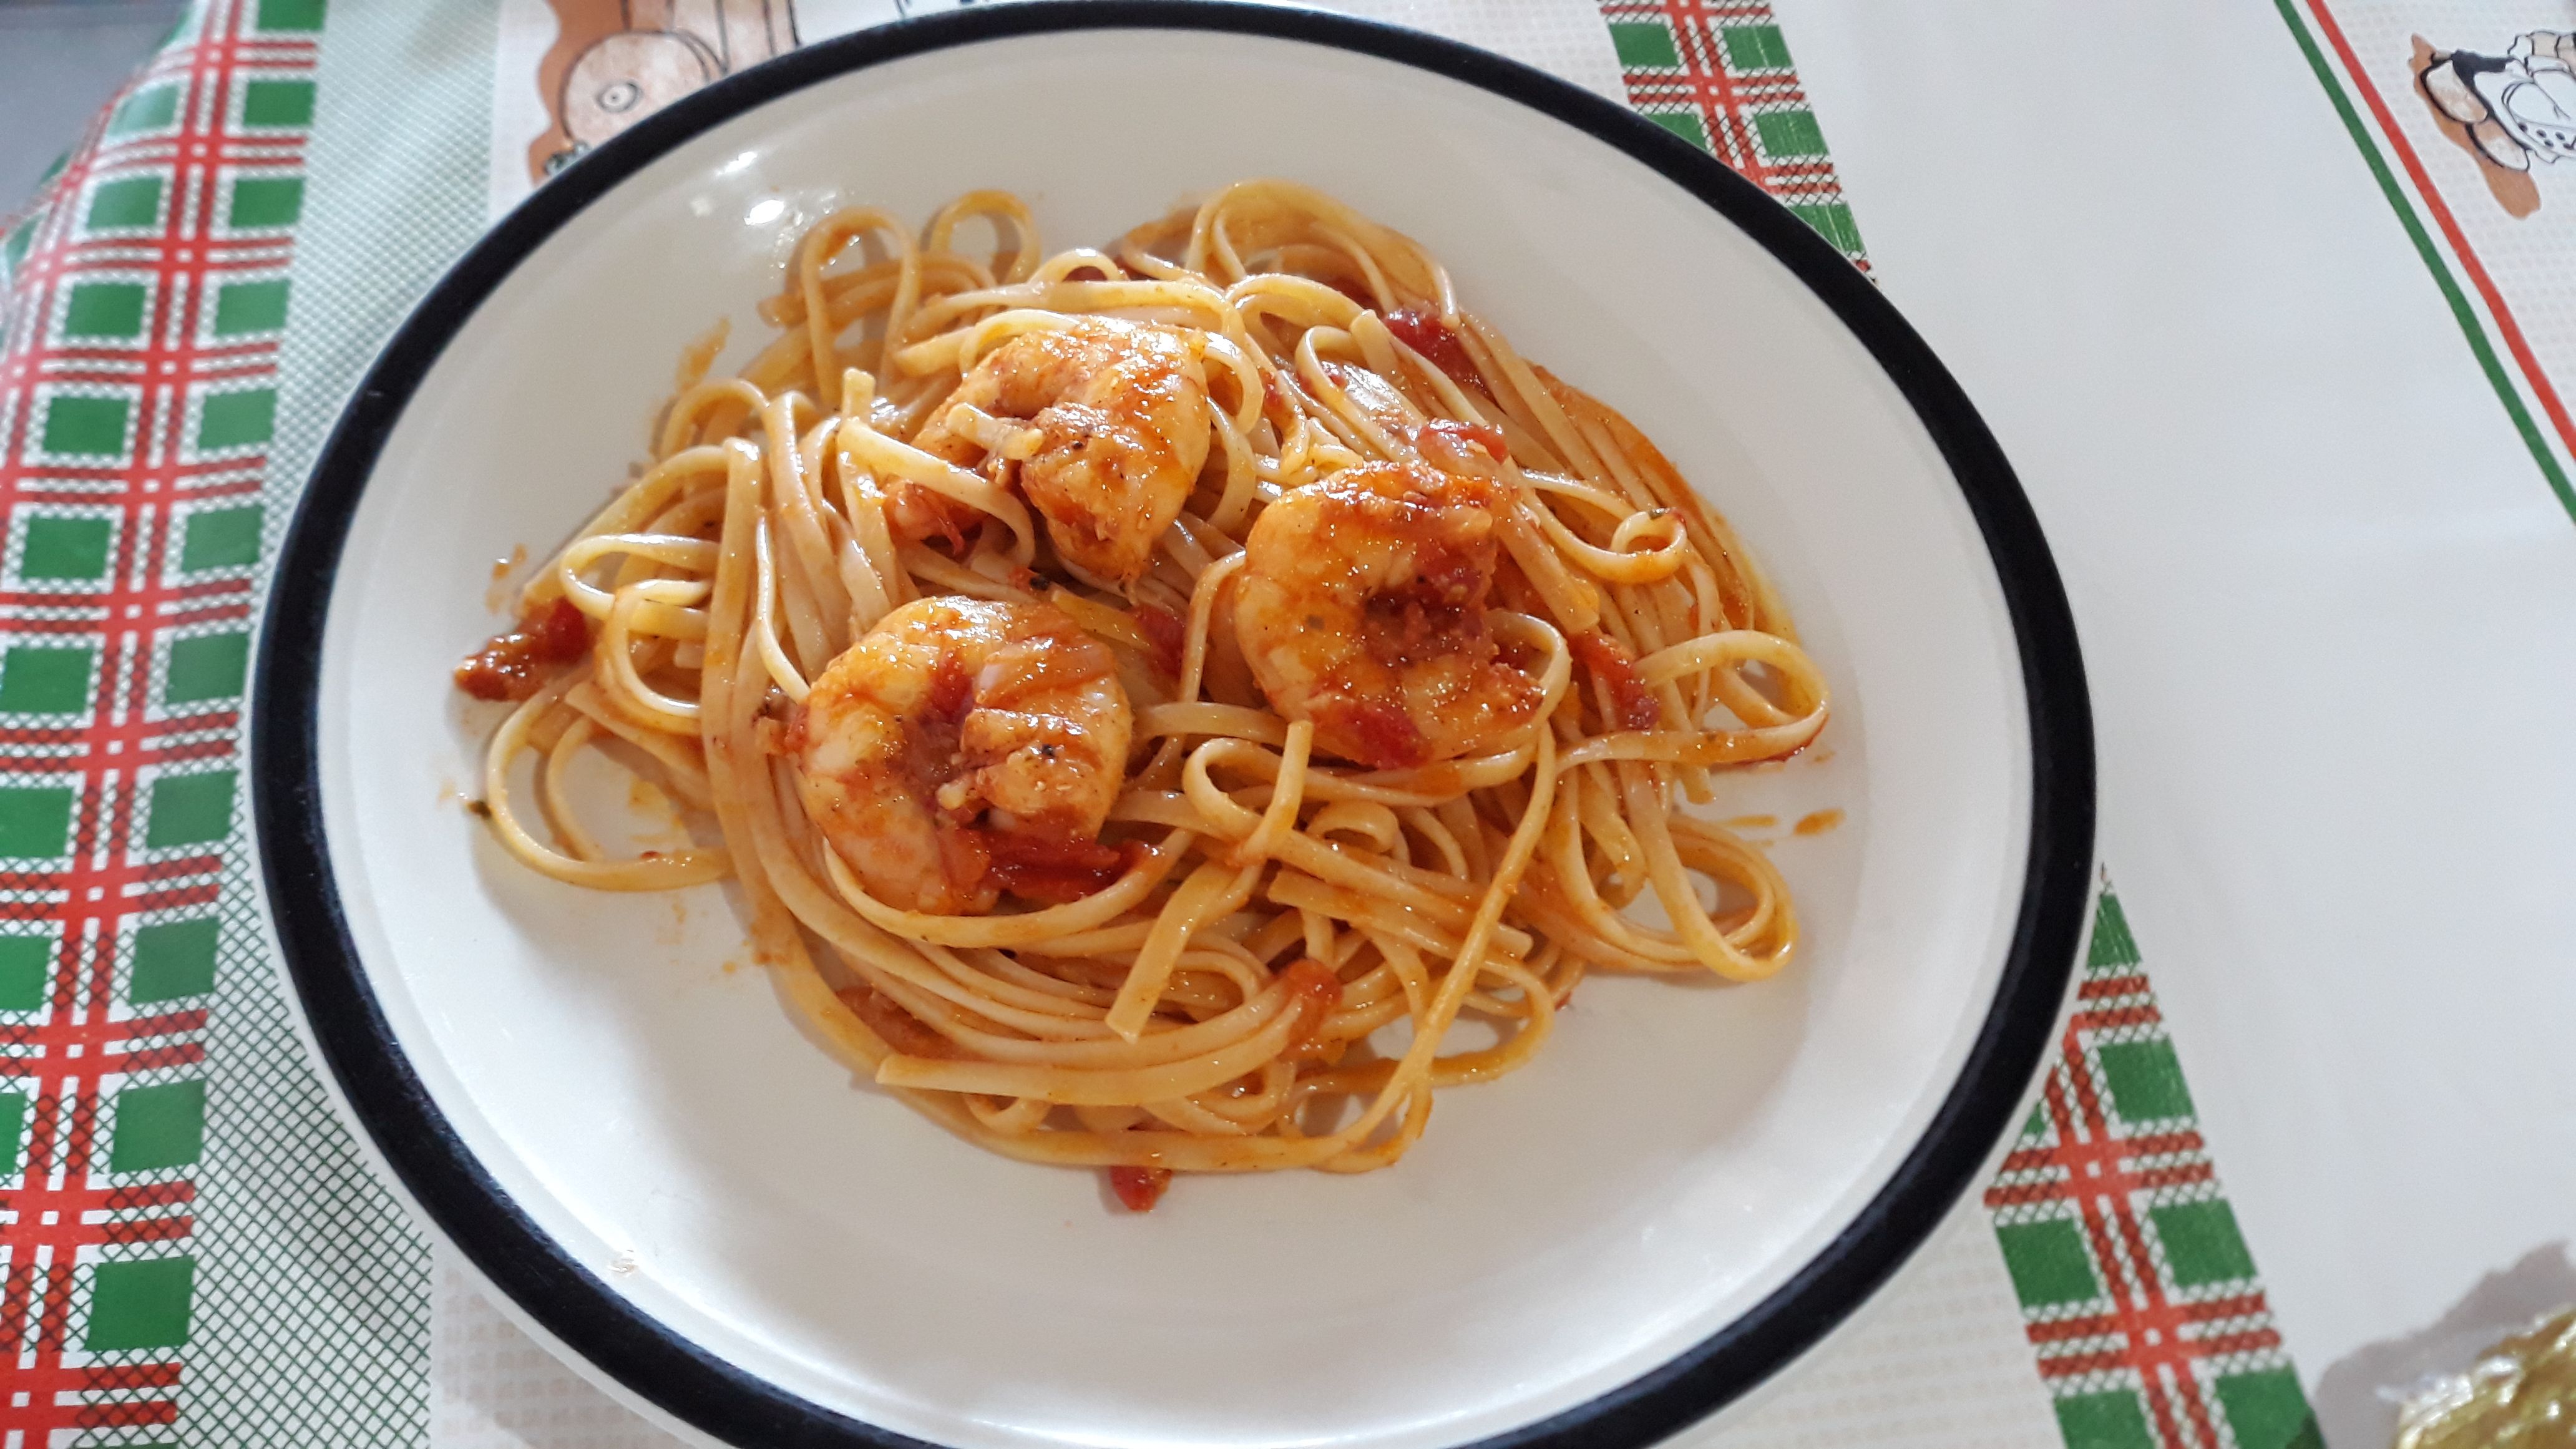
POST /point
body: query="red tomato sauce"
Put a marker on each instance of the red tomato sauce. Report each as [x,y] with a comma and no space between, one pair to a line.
[1168,633]
[1139,1188]
[1633,705]
[1050,869]
[1424,332]
[515,665]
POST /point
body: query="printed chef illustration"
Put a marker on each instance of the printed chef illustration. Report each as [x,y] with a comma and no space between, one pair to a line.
[2515,112]
[614,62]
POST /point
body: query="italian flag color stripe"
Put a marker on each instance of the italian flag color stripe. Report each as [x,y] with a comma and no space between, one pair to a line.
[2339,85]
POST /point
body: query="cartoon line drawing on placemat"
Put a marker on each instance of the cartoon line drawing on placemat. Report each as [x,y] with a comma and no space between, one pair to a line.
[2510,111]
[614,62]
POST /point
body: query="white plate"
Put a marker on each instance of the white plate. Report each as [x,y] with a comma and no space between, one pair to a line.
[630,1139]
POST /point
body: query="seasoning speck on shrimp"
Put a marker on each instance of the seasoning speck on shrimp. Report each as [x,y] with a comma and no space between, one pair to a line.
[1362,608]
[964,748]
[1120,412]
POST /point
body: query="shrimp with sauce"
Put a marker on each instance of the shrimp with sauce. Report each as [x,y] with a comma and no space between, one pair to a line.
[1176,722]
[1117,431]
[964,748]
[1362,608]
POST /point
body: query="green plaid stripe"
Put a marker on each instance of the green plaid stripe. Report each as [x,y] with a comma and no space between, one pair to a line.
[2136,1285]
[1718,75]
[144,305]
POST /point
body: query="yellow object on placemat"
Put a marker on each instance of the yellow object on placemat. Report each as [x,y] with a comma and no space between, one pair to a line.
[2521,1394]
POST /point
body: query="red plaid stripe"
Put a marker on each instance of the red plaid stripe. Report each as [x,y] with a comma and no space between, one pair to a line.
[65,1212]
[2141,1301]
[1718,72]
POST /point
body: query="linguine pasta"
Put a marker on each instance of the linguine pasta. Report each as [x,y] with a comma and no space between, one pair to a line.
[1127,683]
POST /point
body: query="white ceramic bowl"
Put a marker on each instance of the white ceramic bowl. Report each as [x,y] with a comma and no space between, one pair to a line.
[628,1137]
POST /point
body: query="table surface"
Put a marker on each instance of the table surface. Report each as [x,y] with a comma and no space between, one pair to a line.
[2326,596]
[60,60]
[2325,586]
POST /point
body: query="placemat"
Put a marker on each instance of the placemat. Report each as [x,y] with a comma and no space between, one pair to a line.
[196,1250]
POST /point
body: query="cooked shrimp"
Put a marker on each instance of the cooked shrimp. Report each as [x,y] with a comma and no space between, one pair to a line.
[1362,608]
[964,748]
[1119,410]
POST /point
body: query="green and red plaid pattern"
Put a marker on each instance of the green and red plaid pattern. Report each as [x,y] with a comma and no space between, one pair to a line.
[145,297]
[1717,73]
[2141,1299]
